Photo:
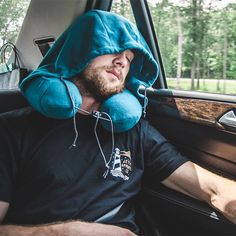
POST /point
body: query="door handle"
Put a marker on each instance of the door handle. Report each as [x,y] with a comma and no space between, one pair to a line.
[228,119]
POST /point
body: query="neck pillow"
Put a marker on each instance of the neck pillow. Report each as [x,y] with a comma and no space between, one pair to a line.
[49,88]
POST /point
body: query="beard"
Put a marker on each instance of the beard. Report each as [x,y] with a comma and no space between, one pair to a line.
[99,86]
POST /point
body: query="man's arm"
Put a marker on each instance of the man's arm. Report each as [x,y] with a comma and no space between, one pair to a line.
[202,184]
[73,228]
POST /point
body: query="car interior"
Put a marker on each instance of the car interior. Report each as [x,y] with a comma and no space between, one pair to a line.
[196,123]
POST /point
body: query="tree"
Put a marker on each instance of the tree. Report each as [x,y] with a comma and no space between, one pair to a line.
[180,46]
[194,24]
[11,17]
[164,21]
[123,8]
[225,55]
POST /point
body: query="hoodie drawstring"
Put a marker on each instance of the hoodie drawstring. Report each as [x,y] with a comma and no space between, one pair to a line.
[145,102]
[98,115]
[74,114]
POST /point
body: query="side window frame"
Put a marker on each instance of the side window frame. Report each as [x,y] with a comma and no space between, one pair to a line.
[144,23]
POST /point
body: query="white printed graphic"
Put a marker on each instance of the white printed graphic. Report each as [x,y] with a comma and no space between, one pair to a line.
[121,164]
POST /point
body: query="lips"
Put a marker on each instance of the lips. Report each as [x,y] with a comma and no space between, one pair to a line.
[115,73]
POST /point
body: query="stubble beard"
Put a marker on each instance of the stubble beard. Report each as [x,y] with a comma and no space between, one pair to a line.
[98,86]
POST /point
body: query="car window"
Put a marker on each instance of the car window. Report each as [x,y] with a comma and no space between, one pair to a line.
[12,13]
[123,8]
[197,40]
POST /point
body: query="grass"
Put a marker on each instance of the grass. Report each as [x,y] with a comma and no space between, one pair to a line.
[209,86]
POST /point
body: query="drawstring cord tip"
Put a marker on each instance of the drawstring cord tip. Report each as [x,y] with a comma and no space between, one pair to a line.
[72,146]
[99,115]
[144,114]
[106,172]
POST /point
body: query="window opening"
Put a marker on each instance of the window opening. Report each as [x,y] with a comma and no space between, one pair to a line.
[123,8]
[12,13]
[197,41]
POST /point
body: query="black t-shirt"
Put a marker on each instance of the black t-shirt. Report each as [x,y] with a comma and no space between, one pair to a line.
[45,179]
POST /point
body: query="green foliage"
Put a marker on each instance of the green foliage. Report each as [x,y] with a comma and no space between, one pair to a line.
[123,8]
[164,25]
[11,17]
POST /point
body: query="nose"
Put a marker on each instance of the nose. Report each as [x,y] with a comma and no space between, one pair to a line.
[120,60]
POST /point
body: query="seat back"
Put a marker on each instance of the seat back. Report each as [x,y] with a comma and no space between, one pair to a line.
[11,100]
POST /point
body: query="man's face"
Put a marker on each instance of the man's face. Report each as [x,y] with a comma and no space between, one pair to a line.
[106,74]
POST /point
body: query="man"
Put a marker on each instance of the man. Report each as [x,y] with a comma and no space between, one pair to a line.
[57,188]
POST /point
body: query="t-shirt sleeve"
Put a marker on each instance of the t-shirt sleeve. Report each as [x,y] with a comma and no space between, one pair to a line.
[161,157]
[7,162]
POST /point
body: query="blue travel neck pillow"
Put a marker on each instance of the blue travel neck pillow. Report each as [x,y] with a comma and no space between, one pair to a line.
[49,88]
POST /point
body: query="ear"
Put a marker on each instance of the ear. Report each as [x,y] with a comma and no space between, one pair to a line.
[124,109]
[53,97]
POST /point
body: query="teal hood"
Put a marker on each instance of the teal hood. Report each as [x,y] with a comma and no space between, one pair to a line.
[105,33]
[93,34]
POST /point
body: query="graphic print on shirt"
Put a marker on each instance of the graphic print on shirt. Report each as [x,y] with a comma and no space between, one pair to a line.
[120,165]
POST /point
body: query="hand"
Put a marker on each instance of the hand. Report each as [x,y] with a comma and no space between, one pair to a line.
[230,208]
[224,199]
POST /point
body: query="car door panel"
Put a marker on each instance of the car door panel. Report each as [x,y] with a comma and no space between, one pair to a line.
[191,124]
[176,214]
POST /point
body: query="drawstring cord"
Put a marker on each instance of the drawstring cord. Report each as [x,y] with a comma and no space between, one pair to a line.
[98,115]
[145,103]
[74,114]
[76,132]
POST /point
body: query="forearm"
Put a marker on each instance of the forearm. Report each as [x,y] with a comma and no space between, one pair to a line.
[190,179]
[217,191]
[10,230]
[204,185]
[74,228]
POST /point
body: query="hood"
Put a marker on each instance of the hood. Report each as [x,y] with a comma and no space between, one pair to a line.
[108,33]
